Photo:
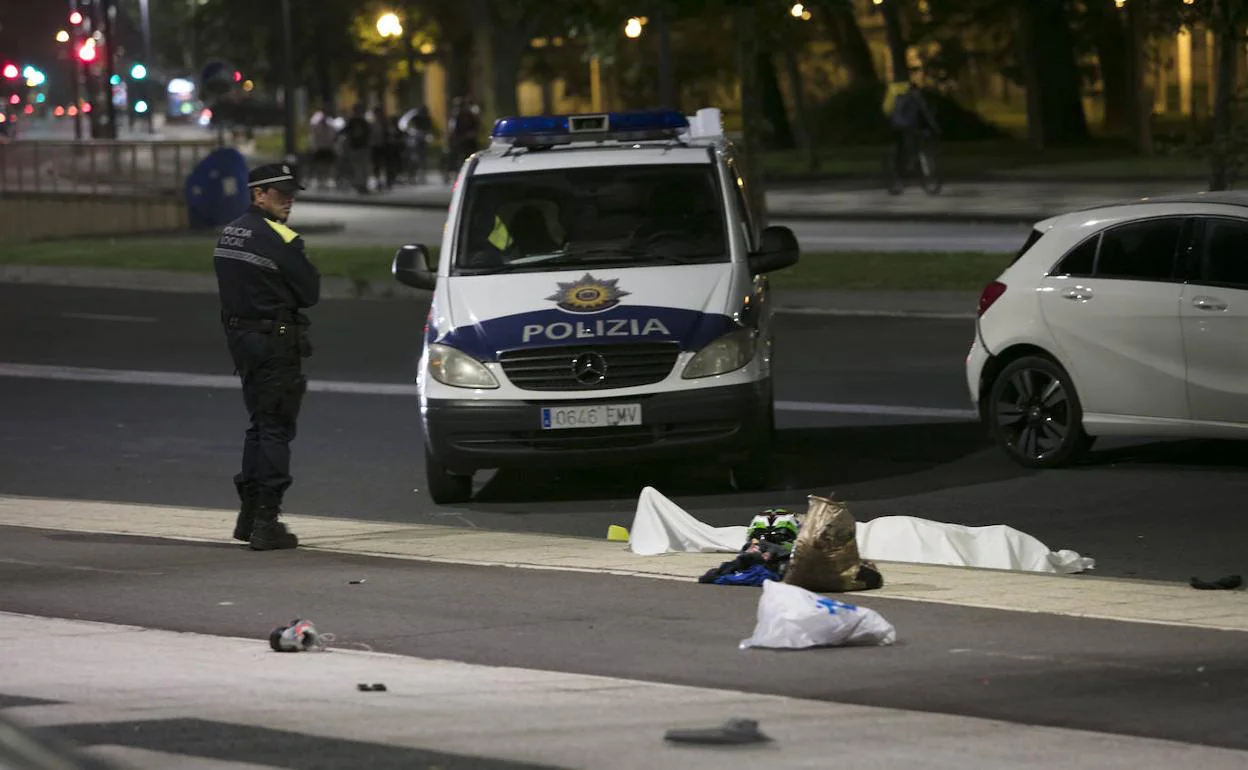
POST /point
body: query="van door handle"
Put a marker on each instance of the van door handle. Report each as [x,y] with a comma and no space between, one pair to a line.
[1078,293]
[1209,303]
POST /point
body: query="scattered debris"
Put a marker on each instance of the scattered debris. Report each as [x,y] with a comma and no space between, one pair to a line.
[733,731]
[299,636]
[765,554]
[366,687]
[617,534]
[1228,583]
[357,582]
[790,617]
[825,553]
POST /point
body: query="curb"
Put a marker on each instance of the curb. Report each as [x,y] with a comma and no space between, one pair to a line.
[865,215]
[337,288]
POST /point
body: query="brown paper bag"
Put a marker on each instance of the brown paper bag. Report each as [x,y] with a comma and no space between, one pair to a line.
[825,555]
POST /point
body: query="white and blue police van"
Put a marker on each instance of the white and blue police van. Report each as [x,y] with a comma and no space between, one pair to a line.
[599,298]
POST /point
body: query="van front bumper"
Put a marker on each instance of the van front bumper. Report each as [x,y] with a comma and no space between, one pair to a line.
[724,422]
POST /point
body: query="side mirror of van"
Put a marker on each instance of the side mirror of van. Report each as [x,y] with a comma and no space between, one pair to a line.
[777,249]
[411,267]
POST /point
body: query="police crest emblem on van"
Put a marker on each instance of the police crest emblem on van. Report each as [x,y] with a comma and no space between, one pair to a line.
[588,295]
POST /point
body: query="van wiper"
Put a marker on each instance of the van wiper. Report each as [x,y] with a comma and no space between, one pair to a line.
[601,255]
[630,255]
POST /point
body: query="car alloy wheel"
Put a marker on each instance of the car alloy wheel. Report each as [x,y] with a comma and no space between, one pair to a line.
[1035,414]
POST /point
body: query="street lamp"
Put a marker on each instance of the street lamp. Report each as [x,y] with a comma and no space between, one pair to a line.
[799,11]
[632,28]
[62,37]
[388,25]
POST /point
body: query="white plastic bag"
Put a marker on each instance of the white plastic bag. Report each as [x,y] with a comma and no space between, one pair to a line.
[792,617]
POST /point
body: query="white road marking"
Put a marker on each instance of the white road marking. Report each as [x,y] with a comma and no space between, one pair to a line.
[876,409]
[139,319]
[230,382]
[829,311]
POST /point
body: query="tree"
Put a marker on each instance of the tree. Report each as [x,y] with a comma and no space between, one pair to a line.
[1227,19]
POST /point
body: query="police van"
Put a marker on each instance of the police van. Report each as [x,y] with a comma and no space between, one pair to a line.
[600,299]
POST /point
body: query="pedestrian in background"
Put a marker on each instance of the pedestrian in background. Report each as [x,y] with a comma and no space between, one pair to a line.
[265,279]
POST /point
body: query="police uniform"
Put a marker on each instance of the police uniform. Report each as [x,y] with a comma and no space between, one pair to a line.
[265,279]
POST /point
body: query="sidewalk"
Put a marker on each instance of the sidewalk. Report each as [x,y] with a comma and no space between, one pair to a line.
[1086,595]
[1003,201]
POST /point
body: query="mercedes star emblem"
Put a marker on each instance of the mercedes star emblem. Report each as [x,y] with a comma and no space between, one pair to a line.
[589,368]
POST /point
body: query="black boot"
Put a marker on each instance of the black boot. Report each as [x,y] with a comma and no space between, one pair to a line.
[246,510]
[269,534]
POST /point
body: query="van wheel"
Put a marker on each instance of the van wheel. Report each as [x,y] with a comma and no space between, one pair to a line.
[754,472]
[1034,414]
[446,488]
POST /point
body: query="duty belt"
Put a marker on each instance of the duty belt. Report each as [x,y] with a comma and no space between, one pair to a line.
[266,325]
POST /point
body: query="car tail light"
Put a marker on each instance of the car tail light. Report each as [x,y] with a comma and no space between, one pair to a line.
[991,293]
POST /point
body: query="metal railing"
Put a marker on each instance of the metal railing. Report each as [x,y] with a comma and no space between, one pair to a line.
[99,167]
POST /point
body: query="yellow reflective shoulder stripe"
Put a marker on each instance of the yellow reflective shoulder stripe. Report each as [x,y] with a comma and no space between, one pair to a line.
[499,238]
[287,234]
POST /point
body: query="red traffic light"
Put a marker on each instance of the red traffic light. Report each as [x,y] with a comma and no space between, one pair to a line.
[87,52]
[238,76]
[75,18]
[10,71]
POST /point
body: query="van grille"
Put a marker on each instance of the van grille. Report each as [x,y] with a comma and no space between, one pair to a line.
[590,367]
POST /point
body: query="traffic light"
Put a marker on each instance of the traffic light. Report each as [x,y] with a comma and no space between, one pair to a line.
[238,76]
[75,18]
[87,52]
[10,71]
[138,72]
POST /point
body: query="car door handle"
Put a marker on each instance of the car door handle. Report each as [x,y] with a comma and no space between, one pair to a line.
[1078,293]
[1209,303]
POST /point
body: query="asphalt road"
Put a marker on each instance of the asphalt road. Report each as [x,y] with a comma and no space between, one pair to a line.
[1155,510]
[1154,681]
[391,225]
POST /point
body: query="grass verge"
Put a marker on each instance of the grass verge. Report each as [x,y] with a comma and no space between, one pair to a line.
[906,271]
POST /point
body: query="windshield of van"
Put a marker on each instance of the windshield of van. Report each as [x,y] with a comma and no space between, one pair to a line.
[614,216]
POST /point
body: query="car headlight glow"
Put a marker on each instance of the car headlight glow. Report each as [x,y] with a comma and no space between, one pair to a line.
[726,354]
[458,369]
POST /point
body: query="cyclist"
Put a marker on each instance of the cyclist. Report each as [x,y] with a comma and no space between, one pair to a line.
[909,117]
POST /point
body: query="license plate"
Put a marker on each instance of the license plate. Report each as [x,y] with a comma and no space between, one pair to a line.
[595,416]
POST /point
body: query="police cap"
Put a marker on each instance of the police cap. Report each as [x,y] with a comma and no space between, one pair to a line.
[276,175]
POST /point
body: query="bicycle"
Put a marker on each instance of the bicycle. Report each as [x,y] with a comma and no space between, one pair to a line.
[920,161]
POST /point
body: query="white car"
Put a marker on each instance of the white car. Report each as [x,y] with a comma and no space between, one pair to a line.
[1122,320]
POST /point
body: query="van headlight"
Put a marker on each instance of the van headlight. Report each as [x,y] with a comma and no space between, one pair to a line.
[458,369]
[726,354]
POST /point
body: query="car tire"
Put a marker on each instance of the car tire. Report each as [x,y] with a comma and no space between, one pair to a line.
[1034,414]
[446,488]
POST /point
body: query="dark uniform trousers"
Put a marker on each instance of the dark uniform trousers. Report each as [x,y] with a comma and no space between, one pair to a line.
[268,356]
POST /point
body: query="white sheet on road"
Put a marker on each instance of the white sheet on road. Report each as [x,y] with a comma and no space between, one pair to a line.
[662,526]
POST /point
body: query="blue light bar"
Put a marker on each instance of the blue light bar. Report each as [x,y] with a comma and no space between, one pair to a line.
[541,130]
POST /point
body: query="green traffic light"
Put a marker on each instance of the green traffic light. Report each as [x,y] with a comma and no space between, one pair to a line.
[115,80]
[138,72]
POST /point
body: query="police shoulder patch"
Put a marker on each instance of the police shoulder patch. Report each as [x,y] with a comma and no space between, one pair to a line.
[285,232]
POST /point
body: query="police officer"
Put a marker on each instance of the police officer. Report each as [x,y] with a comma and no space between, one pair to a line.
[265,279]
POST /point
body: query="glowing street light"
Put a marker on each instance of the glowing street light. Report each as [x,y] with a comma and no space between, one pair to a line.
[632,28]
[799,11]
[388,25]
[62,37]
